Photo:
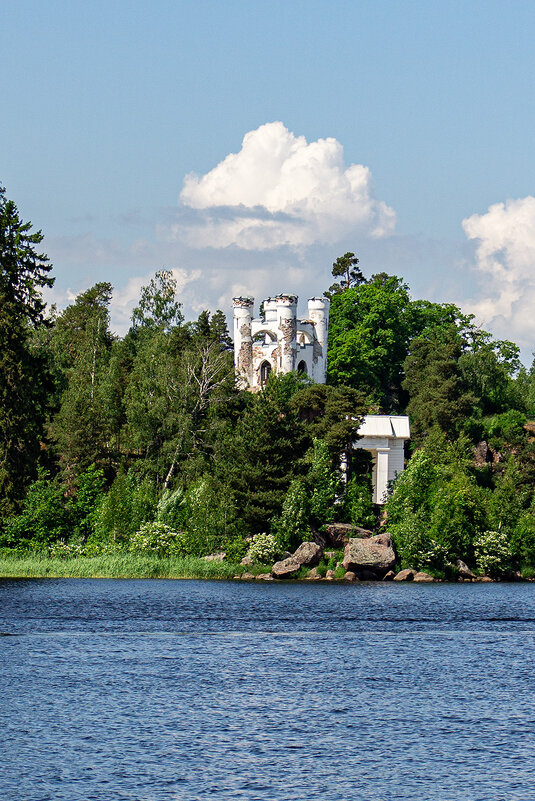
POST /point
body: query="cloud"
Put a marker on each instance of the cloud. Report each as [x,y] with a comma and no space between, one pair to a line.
[505,260]
[280,190]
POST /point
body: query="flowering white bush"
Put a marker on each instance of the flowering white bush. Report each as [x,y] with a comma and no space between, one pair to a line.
[492,552]
[157,538]
[66,550]
[264,548]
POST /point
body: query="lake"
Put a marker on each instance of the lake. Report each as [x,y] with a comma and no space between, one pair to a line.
[156,689]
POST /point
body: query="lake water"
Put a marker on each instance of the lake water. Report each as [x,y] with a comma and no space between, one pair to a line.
[218,690]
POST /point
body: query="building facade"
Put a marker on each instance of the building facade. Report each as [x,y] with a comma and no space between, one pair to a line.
[278,341]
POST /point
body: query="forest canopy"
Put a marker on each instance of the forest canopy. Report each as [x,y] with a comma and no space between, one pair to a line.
[146,442]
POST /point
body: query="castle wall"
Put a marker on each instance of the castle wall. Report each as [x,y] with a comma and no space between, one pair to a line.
[280,342]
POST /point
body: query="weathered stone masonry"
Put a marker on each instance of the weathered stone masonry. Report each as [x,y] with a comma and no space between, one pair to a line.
[280,342]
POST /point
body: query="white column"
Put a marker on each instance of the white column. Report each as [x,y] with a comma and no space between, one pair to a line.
[381,480]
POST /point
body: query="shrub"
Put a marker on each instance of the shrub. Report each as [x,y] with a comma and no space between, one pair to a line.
[128,504]
[493,555]
[264,548]
[159,539]
[43,519]
[292,526]
[358,505]
[323,482]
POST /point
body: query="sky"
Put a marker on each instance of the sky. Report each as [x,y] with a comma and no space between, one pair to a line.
[247,145]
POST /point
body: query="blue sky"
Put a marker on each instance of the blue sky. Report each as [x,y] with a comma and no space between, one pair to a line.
[107,107]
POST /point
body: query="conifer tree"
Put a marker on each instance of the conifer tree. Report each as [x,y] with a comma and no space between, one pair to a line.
[24,272]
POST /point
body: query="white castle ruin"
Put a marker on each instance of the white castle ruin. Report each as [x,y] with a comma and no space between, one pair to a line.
[279,342]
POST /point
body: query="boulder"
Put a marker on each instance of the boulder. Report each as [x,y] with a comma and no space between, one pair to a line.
[389,576]
[339,534]
[464,570]
[350,576]
[405,575]
[246,561]
[218,556]
[285,568]
[247,576]
[422,578]
[308,554]
[329,575]
[374,554]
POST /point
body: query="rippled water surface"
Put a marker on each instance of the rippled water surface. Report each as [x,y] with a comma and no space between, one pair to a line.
[195,690]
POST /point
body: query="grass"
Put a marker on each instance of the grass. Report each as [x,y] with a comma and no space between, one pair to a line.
[117,565]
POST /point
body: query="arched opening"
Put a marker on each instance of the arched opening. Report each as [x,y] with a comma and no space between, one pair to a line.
[302,368]
[265,370]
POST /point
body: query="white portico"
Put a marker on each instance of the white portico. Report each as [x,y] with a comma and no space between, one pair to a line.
[384,435]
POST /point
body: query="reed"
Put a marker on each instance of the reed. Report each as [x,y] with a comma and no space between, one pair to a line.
[116,565]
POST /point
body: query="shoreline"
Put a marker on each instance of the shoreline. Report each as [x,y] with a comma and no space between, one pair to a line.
[130,566]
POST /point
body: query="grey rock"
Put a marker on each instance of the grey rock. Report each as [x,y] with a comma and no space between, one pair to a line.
[464,570]
[247,576]
[218,556]
[329,575]
[405,575]
[389,576]
[422,578]
[350,576]
[285,568]
[339,534]
[308,554]
[374,554]
[246,561]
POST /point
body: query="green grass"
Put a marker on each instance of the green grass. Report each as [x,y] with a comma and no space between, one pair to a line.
[118,565]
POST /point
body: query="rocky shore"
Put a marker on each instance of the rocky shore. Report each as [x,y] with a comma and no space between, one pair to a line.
[366,557]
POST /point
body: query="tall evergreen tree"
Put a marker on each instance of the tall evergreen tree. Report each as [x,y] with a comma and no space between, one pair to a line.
[24,272]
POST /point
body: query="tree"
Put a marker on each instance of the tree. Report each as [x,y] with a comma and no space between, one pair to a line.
[369,332]
[345,268]
[82,342]
[24,272]
[438,394]
[158,307]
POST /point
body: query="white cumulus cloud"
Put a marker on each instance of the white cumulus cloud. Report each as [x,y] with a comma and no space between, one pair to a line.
[505,258]
[280,190]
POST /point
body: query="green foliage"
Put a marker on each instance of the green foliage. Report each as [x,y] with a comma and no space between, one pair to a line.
[506,428]
[128,504]
[345,268]
[158,307]
[369,330]
[438,395]
[358,505]
[264,548]
[522,542]
[323,484]
[25,380]
[82,506]
[292,527]
[159,539]
[172,509]
[493,555]
[209,519]
[43,518]
[436,510]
